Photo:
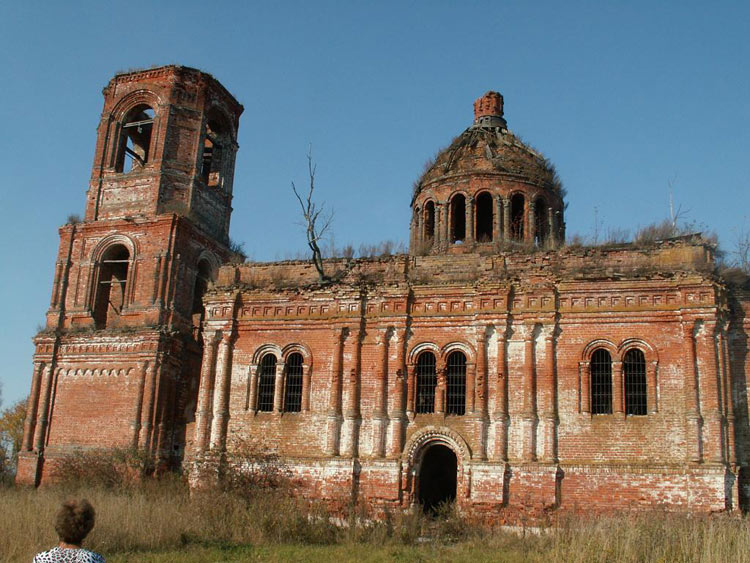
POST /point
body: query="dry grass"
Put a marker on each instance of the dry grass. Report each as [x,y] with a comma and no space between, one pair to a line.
[160,521]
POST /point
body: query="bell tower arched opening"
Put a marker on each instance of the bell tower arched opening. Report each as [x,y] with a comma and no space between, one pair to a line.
[111,295]
[438,477]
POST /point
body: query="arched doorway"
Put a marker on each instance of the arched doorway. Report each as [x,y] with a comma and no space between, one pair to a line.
[437,477]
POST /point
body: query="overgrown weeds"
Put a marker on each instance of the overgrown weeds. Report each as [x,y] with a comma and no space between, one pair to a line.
[109,468]
[258,507]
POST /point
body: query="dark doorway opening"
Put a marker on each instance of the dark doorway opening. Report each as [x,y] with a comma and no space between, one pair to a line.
[437,478]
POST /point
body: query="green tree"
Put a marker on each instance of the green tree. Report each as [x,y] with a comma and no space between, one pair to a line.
[11,434]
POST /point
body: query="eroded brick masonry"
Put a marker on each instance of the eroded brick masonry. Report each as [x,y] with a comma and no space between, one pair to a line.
[490,364]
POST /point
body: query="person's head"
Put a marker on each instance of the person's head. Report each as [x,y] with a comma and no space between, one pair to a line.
[74,521]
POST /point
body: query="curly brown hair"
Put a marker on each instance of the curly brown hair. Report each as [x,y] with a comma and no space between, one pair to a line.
[74,521]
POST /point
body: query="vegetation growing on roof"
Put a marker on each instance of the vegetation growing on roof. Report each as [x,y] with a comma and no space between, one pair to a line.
[491,150]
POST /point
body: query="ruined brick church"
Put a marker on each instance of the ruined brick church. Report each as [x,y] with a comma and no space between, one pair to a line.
[491,364]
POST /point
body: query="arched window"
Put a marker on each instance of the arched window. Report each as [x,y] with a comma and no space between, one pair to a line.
[455,396]
[542,222]
[429,220]
[426,376]
[601,382]
[517,205]
[266,382]
[634,366]
[214,147]
[293,389]
[198,312]
[134,147]
[111,286]
[458,218]
[485,216]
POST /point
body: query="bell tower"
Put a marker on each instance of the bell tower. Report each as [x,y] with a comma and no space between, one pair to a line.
[166,143]
[117,364]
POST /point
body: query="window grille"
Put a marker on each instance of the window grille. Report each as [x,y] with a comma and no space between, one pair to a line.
[635,382]
[455,401]
[293,391]
[601,382]
[426,383]
[266,382]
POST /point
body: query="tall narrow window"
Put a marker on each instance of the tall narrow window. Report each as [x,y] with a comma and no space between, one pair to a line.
[212,160]
[266,382]
[426,383]
[484,217]
[601,382]
[541,219]
[202,277]
[455,397]
[135,139]
[293,390]
[458,218]
[429,220]
[111,286]
[517,208]
[634,366]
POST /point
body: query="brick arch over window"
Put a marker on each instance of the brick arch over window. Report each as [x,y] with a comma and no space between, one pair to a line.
[134,99]
[217,111]
[463,347]
[650,353]
[267,349]
[592,346]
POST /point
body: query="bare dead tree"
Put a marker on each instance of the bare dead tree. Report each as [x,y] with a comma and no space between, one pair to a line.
[316,220]
[741,250]
[675,215]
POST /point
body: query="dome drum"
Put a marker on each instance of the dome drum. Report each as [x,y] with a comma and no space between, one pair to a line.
[485,191]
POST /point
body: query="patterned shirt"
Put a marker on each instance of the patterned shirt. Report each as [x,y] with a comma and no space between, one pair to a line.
[67,555]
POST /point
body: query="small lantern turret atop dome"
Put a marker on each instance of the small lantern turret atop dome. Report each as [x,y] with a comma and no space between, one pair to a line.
[488,111]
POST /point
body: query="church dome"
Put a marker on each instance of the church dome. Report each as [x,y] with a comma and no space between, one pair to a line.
[487,186]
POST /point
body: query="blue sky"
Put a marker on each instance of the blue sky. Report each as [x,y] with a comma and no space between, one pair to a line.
[623,97]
